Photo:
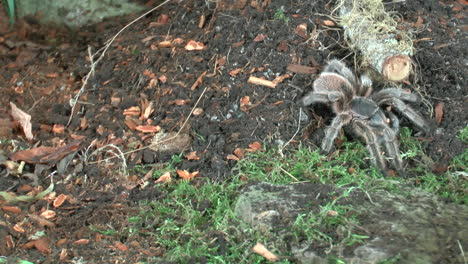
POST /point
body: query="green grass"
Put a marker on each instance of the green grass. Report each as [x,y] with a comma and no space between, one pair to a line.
[463,135]
[10,6]
[451,184]
[194,221]
[280,15]
[191,219]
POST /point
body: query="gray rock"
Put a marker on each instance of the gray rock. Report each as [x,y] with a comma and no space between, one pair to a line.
[413,228]
[76,13]
[170,143]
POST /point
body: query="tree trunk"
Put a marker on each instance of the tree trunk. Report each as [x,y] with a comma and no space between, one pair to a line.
[374,33]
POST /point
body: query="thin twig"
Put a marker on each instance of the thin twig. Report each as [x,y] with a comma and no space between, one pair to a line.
[461,251]
[289,174]
[297,131]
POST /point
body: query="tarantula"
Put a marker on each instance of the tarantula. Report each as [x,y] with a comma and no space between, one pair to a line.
[354,104]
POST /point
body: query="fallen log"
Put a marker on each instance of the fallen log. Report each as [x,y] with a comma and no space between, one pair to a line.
[374,33]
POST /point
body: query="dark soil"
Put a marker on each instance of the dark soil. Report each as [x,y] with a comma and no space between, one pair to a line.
[42,69]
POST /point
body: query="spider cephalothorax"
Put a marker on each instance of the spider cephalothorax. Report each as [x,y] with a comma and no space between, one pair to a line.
[354,104]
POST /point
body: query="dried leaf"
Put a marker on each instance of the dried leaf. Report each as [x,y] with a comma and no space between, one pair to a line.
[255,146]
[187,175]
[24,120]
[58,129]
[42,244]
[166,177]
[239,153]
[192,156]
[260,37]
[47,155]
[232,157]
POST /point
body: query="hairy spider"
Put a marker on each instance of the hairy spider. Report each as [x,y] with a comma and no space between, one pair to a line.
[354,104]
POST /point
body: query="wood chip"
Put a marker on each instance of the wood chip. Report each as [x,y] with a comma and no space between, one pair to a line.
[11,209]
[439,112]
[301,30]
[81,242]
[148,129]
[201,22]
[263,82]
[302,69]
[194,45]
[59,200]
[120,246]
[264,252]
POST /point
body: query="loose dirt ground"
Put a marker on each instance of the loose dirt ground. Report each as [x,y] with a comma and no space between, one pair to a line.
[43,68]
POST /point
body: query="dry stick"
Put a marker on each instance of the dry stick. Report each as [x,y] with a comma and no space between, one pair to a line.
[104,50]
[297,131]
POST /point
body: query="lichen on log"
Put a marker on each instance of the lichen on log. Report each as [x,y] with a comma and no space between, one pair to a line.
[374,33]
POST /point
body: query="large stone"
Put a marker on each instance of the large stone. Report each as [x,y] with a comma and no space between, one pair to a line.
[76,13]
[413,228]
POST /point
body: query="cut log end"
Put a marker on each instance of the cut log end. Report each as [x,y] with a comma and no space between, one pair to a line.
[397,68]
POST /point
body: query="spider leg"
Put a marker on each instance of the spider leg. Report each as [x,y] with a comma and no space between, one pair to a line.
[409,113]
[391,146]
[366,86]
[390,93]
[321,97]
[332,130]
[372,143]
